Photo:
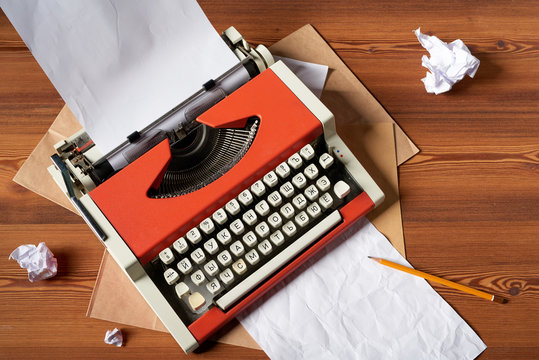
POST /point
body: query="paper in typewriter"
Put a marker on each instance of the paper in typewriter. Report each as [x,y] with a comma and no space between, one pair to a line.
[119,67]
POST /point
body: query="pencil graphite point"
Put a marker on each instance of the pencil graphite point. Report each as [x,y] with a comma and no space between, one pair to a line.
[374,258]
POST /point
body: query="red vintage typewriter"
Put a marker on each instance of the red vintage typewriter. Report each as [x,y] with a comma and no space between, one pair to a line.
[206,216]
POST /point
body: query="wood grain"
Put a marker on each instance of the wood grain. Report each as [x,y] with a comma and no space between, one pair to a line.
[469,199]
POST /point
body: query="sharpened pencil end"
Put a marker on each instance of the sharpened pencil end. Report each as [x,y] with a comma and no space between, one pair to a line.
[375,259]
[499,300]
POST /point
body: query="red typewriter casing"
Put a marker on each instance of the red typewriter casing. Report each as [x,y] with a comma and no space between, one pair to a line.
[148,225]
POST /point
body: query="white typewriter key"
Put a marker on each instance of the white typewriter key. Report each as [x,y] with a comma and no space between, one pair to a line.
[326,201]
[207,226]
[198,256]
[262,229]
[245,197]
[214,286]
[289,229]
[196,301]
[313,210]
[287,210]
[341,189]
[233,207]
[311,171]
[275,199]
[166,256]
[211,268]
[237,227]
[180,246]
[237,248]
[258,188]
[283,170]
[311,193]
[220,216]
[171,276]
[198,278]
[323,183]
[193,236]
[307,152]
[252,257]
[325,160]
[249,239]
[262,208]
[277,238]
[270,179]
[265,247]
[224,236]
[295,161]
[302,219]
[239,267]
[211,246]
[185,266]
[181,289]
[250,217]
[275,220]
[299,181]
[299,202]
[224,258]
[287,189]
[227,276]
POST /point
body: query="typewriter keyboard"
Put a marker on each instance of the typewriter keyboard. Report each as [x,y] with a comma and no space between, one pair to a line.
[255,234]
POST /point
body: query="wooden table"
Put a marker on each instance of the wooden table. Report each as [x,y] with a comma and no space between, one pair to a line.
[470,199]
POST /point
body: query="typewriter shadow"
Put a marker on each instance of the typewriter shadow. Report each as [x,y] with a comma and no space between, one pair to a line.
[372,140]
[377,157]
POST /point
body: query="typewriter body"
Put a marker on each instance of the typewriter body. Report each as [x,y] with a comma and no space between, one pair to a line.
[214,203]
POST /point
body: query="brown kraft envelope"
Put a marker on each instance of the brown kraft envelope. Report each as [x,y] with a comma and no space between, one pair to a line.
[356,111]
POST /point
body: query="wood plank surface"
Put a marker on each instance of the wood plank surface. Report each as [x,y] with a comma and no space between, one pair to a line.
[470,199]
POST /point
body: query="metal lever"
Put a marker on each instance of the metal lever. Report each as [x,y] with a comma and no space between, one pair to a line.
[75,201]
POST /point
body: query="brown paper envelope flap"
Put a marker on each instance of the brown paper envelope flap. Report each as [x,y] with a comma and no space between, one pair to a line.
[33,174]
[116,299]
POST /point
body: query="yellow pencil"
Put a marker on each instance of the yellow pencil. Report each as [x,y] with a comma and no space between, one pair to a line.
[439,280]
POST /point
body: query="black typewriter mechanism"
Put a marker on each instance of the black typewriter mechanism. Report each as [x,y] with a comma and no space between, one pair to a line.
[203,156]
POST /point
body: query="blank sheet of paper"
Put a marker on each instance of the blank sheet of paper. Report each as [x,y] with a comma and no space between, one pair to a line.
[118,64]
[346,306]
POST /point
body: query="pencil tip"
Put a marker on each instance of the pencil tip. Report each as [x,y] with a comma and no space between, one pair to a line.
[499,300]
[370,257]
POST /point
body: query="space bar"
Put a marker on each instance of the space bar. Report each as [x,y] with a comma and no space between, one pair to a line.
[279,260]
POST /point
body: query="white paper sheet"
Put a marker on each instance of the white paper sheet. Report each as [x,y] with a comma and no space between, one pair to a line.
[448,63]
[346,306]
[312,75]
[119,66]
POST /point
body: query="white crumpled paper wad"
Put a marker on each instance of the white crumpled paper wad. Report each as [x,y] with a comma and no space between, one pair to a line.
[39,261]
[114,337]
[448,63]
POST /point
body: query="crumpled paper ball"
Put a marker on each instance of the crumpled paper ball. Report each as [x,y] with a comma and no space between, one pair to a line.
[114,337]
[448,63]
[39,261]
